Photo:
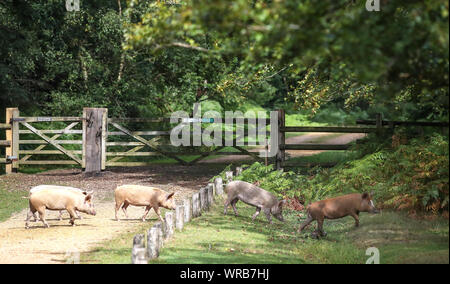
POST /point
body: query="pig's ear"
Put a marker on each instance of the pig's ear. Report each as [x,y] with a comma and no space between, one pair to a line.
[88,198]
[170,195]
[365,195]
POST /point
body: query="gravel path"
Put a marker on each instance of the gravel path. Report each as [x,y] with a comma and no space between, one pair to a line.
[319,138]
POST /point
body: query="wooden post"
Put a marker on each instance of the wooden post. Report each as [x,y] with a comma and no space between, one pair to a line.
[153,243]
[139,241]
[210,191]
[94,139]
[187,210]
[138,253]
[229,176]
[266,158]
[104,137]
[280,158]
[238,171]
[169,225]
[218,185]
[195,203]
[379,123]
[203,199]
[161,230]
[15,140]
[9,137]
[179,213]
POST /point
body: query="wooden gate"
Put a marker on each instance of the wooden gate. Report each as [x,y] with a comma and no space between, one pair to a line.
[36,142]
[151,143]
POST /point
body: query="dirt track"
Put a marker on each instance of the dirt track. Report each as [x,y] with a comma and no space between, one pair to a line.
[319,138]
[54,245]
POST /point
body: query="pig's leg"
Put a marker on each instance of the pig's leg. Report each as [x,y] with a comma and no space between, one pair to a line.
[269,217]
[34,216]
[124,209]
[42,216]
[117,209]
[60,215]
[320,230]
[356,217]
[147,209]
[233,204]
[32,212]
[158,213]
[306,223]
[73,215]
[258,210]
[227,203]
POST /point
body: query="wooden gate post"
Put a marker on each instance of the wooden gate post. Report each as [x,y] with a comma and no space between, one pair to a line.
[280,158]
[12,135]
[379,123]
[94,139]
[8,150]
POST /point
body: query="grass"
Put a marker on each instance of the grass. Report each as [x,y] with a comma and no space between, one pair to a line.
[117,250]
[217,239]
[11,202]
[326,157]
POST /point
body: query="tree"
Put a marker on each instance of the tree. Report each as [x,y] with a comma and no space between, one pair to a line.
[396,58]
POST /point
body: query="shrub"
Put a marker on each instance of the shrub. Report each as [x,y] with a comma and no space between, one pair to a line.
[412,176]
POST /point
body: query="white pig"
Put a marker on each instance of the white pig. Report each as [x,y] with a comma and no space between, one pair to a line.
[56,199]
[73,189]
[138,195]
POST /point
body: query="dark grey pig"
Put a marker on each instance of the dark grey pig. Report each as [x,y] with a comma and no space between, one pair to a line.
[255,196]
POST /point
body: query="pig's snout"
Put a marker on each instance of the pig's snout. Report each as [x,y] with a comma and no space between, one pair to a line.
[279,217]
[375,211]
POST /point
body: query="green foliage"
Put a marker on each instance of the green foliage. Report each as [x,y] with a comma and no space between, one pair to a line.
[323,51]
[412,176]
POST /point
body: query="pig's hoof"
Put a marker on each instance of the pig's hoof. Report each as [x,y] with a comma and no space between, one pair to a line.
[314,235]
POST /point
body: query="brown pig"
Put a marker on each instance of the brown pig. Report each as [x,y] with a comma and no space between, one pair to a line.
[138,195]
[56,199]
[338,207]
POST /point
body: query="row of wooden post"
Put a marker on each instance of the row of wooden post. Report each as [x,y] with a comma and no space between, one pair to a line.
[193,207]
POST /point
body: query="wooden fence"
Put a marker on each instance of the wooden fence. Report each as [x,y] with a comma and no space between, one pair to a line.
[369,126]
[95,141]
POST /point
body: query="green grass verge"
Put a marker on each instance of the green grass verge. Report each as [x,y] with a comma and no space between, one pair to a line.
[215,239]
[326,157]
[11,202]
